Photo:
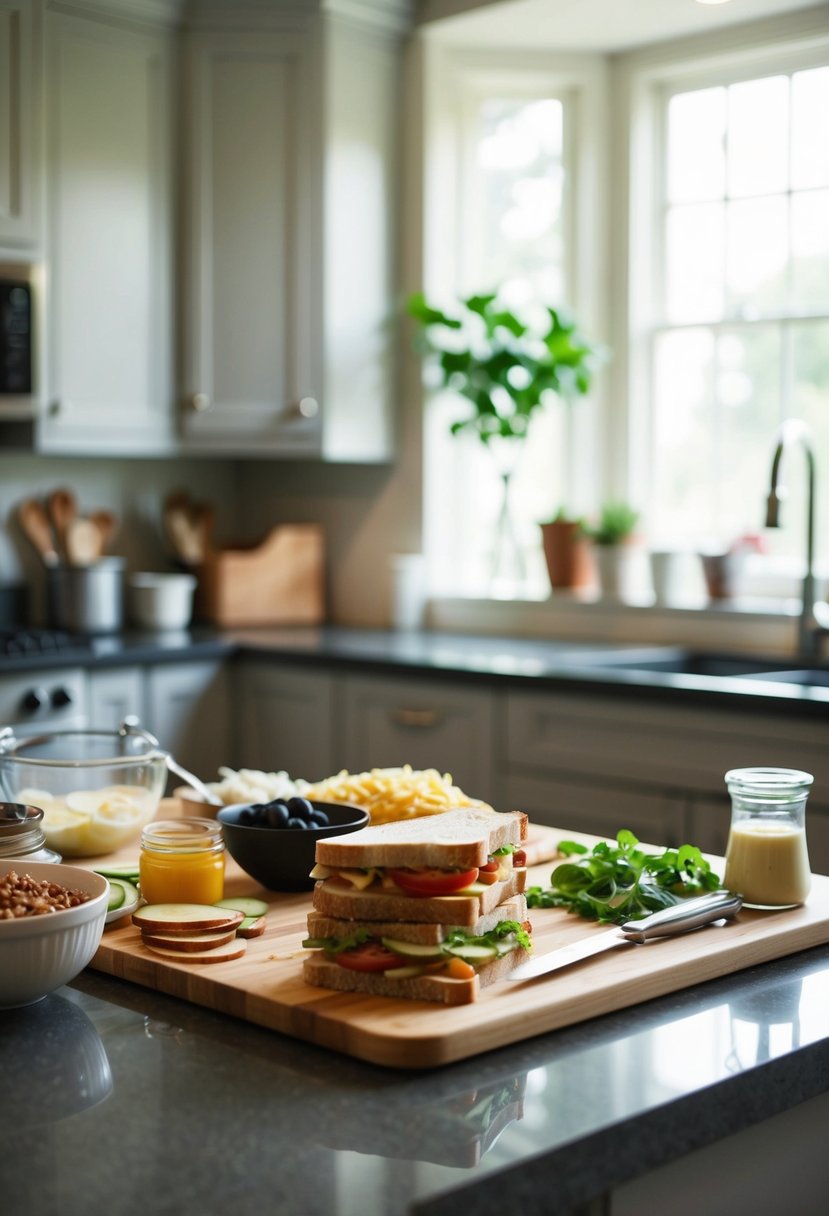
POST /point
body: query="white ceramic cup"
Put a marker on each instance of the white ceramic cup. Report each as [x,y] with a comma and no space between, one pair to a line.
[408,590]
[161,601]
[665,575]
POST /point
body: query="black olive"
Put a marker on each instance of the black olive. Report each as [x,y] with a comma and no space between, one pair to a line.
[300,807]
[277,815]
[247,816]
[297,823]
[319,819]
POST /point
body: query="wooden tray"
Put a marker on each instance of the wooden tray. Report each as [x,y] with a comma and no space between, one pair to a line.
[266,986]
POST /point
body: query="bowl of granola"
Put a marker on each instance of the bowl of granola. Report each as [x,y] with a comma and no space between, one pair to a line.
[51,922]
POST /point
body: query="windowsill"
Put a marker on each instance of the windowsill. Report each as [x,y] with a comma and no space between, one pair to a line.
[761,626]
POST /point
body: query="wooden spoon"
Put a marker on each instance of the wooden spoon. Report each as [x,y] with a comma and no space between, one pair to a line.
[82,542]
[34,521]
[107,524]
[62,508]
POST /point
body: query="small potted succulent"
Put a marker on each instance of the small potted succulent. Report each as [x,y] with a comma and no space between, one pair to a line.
[612,538]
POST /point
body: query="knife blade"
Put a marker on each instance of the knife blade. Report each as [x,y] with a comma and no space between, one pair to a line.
[668,922]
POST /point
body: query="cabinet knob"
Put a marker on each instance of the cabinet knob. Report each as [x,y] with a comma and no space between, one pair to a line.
[35,700]
[199,402]
[61,697]
[307,407]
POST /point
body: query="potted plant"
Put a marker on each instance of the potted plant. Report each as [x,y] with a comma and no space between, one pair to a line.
[612,539]
[567,552]
[506,368]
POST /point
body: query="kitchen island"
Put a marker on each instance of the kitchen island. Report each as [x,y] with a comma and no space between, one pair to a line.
[122,1100]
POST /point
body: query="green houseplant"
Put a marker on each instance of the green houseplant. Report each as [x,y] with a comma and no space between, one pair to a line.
[506,367]
[616,524]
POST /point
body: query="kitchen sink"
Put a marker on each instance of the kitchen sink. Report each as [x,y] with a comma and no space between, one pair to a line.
[818,676]
[694,663]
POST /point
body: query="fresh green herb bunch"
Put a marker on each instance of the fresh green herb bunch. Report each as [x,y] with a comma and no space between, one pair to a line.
[616,521]
[502,365]
[622,883]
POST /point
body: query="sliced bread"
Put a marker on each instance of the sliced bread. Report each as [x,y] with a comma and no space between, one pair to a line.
[425,934]
[324,973]
[334,897]
[456,839]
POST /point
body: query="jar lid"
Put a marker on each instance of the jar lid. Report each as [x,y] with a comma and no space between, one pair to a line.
[20,830]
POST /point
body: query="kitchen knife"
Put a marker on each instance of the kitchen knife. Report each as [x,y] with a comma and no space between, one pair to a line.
[668,922]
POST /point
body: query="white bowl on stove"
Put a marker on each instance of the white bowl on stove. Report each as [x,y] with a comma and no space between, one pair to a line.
[161,601]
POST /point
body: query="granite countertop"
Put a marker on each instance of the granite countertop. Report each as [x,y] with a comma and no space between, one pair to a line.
[526,662]
[125,1100]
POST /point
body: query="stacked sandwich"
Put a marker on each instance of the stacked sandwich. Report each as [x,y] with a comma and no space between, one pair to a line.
[428,909]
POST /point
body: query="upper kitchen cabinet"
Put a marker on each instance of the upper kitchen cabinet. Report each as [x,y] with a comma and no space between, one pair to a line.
[291,130]
[20,115]
[110,218]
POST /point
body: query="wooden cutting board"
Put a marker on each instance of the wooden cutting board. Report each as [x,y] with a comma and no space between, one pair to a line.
[266,985]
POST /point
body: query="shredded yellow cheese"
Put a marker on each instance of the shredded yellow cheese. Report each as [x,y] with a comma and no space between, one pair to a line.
[389,794]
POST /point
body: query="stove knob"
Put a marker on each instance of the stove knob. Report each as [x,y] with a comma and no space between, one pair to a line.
[35,700]
[61,697]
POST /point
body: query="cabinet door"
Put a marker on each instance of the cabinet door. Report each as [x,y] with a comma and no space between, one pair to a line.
[187,711]
[114,694]
[602,809]
[422,723]
[249,376]
[20,105]
[110,222]
[286,721]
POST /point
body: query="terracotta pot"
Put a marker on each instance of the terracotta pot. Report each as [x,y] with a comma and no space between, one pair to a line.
[568,555]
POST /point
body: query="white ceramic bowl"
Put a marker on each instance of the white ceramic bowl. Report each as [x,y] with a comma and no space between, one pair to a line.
[40,953]
[161,601]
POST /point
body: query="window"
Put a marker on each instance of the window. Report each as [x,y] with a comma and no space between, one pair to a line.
[740,339]
[503,218]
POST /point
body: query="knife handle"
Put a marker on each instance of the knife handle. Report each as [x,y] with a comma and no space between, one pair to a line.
[689,914]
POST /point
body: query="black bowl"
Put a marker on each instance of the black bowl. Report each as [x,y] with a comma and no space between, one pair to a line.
[282,858]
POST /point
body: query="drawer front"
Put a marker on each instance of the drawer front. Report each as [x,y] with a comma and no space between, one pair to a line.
[603,810]
[426,724]
[657,744]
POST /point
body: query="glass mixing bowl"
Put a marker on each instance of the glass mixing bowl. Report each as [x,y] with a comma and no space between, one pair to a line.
[96,789]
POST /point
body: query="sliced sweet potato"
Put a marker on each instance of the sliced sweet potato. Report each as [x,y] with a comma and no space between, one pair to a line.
[216,954]
[181,918]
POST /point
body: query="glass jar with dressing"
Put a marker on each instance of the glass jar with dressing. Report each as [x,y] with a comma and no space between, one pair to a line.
[21,833]
[766,860]
[182,861]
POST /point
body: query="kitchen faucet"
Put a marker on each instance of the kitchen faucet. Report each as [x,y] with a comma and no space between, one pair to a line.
[810,627]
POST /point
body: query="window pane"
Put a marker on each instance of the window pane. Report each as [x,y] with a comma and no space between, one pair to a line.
[748,396]
[810,251]
[758,124]
[683,437]
[758,247]
[694,263]
[810,114]
[512,213]
[696,150]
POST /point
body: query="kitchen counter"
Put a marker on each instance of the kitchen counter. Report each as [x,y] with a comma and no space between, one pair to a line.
[124,1100]
[539,663]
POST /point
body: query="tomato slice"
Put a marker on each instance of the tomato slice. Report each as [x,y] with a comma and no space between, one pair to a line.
[488,874]
[370,956]
[519,859]
[433,882]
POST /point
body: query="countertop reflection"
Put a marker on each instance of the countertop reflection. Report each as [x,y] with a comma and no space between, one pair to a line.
[182,1110]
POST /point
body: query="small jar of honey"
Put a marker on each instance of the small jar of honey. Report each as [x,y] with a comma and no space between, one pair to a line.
[182,861]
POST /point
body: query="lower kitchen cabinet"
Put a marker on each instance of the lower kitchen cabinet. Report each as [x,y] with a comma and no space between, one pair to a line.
[286,720]
[185,705]
[653,766]
[388,722]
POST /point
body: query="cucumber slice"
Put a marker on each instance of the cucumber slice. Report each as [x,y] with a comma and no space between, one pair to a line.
[252,926]
[414,950]
[403,973]
[474,954]
[117,895]
[129,893]
[241,903]
[130,873]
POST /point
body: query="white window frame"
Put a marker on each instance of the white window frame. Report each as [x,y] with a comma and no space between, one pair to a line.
[644,80]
